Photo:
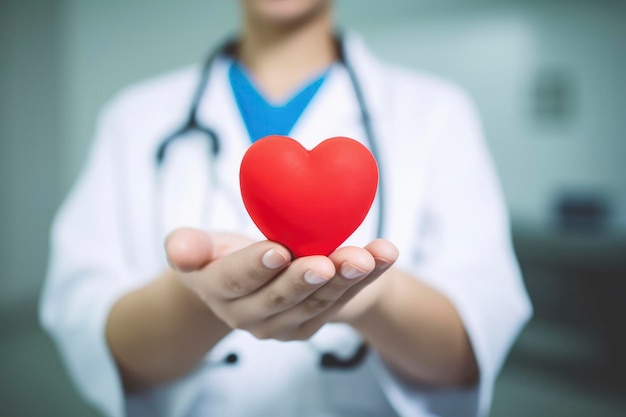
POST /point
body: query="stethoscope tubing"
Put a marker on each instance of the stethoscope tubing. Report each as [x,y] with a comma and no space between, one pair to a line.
[191,124]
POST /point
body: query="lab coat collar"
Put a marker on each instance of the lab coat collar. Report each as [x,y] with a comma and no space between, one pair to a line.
[367,67]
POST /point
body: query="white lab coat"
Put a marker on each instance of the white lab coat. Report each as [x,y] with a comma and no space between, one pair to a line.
[445,213]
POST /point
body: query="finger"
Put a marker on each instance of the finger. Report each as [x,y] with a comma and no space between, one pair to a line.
[294,284]
[372,261]
[309,315]
[384,253]
[248,269]
[352,265]
[189,249]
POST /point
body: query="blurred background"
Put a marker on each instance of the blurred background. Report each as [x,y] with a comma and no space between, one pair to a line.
[547,75]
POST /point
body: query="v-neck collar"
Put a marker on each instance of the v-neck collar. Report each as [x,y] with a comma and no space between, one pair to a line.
[260,115]
[218,108]
[247,82]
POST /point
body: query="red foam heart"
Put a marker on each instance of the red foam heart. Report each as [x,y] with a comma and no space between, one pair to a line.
[309,201]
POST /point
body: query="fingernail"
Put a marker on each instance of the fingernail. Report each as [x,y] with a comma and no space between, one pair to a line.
[313,278]
[382,263]
[350,272]
[274,259]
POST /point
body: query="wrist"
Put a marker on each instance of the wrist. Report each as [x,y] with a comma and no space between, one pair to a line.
[187,303]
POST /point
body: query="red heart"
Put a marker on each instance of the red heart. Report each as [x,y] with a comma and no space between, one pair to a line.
[309,201]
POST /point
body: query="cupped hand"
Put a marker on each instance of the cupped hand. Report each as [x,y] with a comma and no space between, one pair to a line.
[257,286]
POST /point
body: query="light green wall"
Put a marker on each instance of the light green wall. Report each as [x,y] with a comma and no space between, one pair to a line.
[29,144]
[495,53]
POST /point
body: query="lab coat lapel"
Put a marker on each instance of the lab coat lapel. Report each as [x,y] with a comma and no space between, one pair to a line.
[403,148]
[184,174]
[334,111]
[199,189]
[225,210]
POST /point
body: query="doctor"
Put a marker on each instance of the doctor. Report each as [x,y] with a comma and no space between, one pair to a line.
[413,317]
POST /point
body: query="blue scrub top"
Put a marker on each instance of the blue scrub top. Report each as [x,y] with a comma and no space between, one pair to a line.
[263,118]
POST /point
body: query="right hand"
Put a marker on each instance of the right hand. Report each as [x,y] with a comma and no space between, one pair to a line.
[259,288]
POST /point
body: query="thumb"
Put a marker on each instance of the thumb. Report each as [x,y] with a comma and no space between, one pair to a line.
[189,249]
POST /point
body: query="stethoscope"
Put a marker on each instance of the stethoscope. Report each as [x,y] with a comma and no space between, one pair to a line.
[192,125]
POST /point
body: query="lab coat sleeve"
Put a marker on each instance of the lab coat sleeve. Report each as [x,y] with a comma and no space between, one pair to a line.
[464,250]
[88,272]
